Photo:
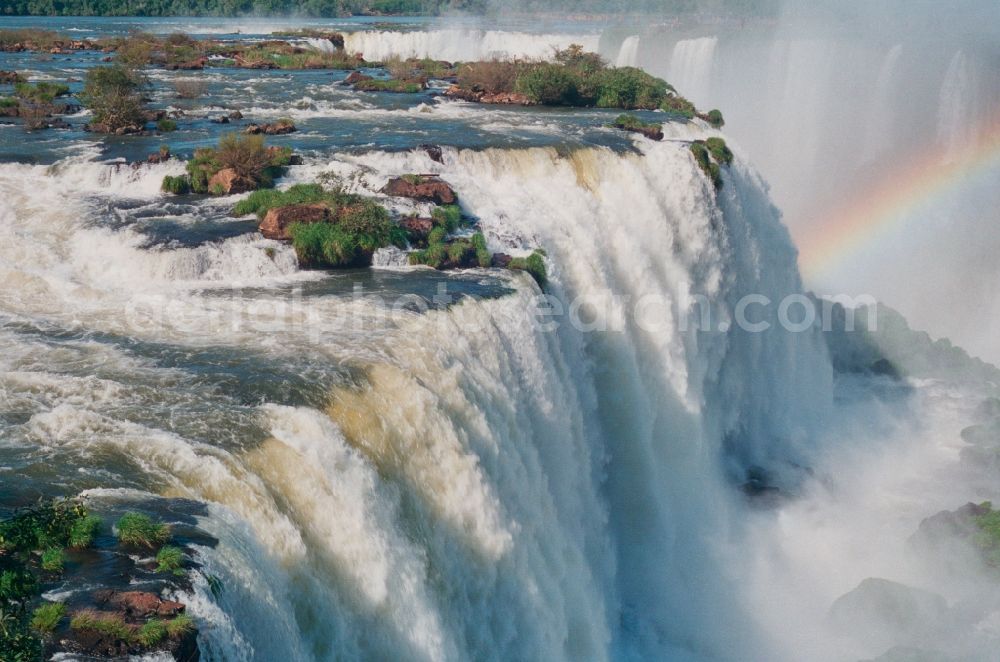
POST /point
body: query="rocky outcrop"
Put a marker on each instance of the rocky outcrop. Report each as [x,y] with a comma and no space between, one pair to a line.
[433,151]
[227,181]
[356,77]
[417,228]
[277,221]
[421,187]
[192,65]
[275,129]
[651,132]
[131,129]
[136,604]
[499,98]
[10,77]
[501,260]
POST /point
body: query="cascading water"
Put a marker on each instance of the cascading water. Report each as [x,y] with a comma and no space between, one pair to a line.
[462,45]
[691,66]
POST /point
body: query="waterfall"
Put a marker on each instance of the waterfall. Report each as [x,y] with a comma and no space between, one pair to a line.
[880,125]
[628,54]
[462,45]
[691,67]
[956,106]
[481,487]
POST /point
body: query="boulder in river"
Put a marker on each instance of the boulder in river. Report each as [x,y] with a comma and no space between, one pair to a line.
[277,221]
[356,77]
[417,228]
[273,129]
[228,181]
[421,187]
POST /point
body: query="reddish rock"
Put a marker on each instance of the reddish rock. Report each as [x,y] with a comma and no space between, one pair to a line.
[277,221]
[159,157]
[355,77]
[500,98]
[417,228]
[501,260]
[421,187]
[137,604]
[228,181]
[10,77]
[192,65]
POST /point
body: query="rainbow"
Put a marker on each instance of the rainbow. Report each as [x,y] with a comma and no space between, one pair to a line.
[886,208]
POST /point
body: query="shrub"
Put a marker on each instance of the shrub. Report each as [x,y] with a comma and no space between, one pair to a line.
[714,117]
[628,88]
[492,77]
[41,92]
[201,167]
[534,264]
[52,559]
[550,85]
[704,160]
[392,85]
[987,538]
[83,530]
[170,559]
[360,230]
[678,105]
[483,256]
[17,585]
[151,633]
[47,525]
[631,122]
[177,185]
[180,625]
[109,625]
[719,151]
[246,154]
[447,217]
[135,51]
[166,125]
[189,88]
[141,531]
[8,102]
[113,96]
[574,57]
[262,201]
[46,617]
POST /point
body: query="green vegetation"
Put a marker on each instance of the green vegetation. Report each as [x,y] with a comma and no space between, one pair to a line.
[46,617]
[152,632]
[141,531]
[110,625]
[41,92]
[987,538]
[534,264]
[709,155]
[83,530]
[166,125]
[714,117]
[246,155]
[719,151]
[391,85]
[448,217]
[113,95]
[262,201]
[629,122]
[176,185]
[678,105]
[362,227]
[52,560]
[575,78]
[179,625]
[455,254]
[170,559]
[31,541]
[8,102]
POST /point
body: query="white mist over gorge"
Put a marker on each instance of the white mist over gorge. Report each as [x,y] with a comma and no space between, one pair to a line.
[410,338]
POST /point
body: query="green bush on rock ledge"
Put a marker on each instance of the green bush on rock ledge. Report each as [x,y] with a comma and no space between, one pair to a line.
[534,264]
[141,531]
[250,163]
[361,229]
[709,155]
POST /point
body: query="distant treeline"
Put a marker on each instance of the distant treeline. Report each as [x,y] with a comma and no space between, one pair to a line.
[319,8]
[333,8]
